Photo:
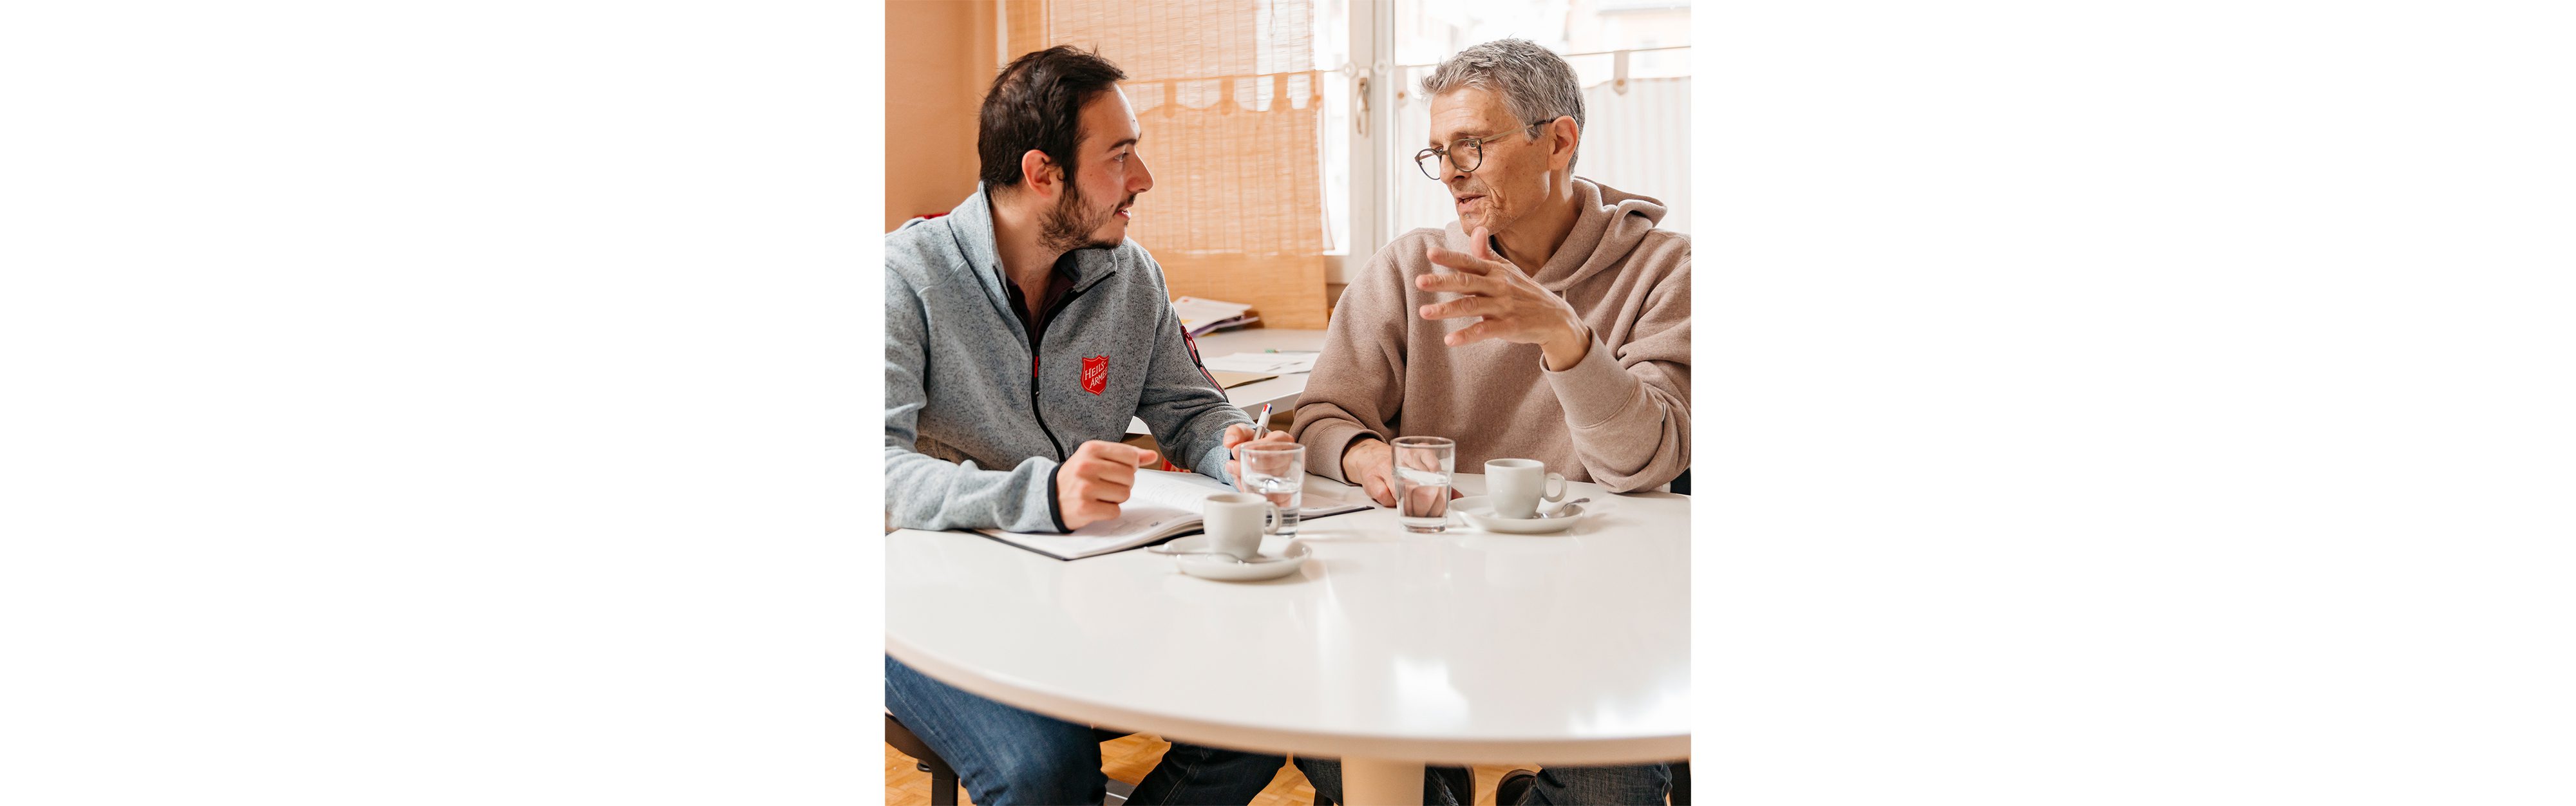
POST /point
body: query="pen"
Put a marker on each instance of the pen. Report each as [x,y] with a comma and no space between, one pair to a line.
[1262,421]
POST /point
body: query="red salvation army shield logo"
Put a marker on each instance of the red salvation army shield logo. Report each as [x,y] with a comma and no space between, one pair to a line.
[1095,374]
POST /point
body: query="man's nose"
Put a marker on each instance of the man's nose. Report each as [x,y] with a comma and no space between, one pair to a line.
[1142,180]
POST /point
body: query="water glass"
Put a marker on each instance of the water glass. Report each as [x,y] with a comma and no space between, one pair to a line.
[1424,467]
[1276,471]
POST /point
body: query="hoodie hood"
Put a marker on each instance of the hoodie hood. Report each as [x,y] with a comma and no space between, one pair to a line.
[1612,224]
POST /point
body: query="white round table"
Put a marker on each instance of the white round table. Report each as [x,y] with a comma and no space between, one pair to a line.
[1388,650]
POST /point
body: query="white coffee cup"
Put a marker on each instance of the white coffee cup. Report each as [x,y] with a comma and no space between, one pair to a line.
[1236,522]
[1514,487]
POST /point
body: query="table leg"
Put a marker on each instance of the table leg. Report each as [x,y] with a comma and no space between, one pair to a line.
[1380,782]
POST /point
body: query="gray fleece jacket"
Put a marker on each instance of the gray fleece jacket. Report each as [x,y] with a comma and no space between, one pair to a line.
[980,412]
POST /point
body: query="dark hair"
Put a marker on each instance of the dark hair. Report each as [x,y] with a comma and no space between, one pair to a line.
[1036,103]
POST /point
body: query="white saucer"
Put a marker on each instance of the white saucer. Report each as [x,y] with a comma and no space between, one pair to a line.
[1225,569]
[1477,512]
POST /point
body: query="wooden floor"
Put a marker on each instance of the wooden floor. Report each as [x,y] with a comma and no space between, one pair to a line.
[1129,759]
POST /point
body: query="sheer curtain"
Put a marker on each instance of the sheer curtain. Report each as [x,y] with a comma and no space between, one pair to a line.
[1637,141]
[1232,106]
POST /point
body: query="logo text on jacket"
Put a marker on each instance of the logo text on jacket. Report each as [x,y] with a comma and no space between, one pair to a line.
[1095,374]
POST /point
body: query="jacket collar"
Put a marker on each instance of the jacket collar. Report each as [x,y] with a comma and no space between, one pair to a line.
[971,224]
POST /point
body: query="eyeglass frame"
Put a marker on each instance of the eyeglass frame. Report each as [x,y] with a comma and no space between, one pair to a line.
[1478,141]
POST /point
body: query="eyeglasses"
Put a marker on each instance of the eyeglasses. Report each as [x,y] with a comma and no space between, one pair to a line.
[1466,153]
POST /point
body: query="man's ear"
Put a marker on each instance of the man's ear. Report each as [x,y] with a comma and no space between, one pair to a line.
[1040,174]
[1560,152]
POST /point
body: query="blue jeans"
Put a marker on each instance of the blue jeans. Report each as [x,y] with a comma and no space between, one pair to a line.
[1626,785]
[1007,756]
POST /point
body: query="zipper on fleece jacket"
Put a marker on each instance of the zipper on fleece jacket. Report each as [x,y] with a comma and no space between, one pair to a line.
[1036,336]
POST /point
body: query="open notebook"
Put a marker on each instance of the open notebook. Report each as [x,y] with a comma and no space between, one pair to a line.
[1164,504]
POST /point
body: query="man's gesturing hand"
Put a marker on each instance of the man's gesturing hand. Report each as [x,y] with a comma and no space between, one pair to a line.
[1515,308]
[1096,479]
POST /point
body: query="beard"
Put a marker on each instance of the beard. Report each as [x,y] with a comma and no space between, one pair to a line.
[1066,228]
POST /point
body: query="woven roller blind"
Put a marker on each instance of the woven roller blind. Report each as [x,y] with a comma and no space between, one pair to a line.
[1232,109]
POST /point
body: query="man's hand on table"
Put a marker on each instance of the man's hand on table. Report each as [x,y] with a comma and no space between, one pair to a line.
[1366,464]
[1096,479]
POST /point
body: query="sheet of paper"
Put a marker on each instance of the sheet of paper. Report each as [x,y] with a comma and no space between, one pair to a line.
[1196,313]
[1266,363]
[1224,324]
[1229,380]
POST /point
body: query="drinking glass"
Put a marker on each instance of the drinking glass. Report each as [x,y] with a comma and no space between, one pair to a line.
[1276,471]
[1424,466]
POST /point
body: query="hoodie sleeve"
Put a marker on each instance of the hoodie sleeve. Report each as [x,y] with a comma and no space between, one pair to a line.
[1182,404]
[924,492]
[1358,383]
[1628,407]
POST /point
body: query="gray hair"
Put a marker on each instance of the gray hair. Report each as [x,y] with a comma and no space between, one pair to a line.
[1535,83]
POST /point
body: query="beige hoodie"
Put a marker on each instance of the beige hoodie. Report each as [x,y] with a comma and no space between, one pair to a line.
[1619,417]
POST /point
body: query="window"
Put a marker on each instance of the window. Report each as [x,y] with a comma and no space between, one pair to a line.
[1333,58]
[1636,134]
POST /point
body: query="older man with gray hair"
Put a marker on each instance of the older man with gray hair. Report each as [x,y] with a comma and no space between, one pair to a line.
[1559,332]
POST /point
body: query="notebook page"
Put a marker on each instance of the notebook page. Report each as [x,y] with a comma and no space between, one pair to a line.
[1187,492]
[1159,499]
[1160,504]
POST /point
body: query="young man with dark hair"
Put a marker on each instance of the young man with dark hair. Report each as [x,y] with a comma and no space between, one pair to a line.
[1022,331]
